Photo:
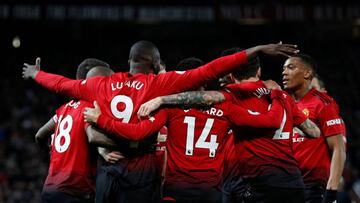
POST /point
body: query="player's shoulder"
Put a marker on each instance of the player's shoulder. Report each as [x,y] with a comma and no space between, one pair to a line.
[77,104]
[322,97]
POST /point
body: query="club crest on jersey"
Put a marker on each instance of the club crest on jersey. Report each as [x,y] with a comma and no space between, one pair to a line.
[306,112]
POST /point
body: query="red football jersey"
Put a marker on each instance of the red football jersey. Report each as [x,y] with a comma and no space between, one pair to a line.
[121,94]
[72,163]
[196,139]
[266,155]
[231,157]
[314,155]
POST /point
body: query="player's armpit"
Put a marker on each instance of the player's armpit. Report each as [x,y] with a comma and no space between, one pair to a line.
[337,147]
[309,129]
[43,134]
[98,137]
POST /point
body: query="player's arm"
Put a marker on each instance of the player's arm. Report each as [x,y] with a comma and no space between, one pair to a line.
[332,127]
[186,99]
[43,134]
[98,137]
[81,89]
[309,129]
[271,119]
[128,131]
[337,146]
[173,82]
[305,126]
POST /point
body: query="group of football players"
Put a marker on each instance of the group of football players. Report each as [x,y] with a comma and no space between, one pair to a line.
[248,141]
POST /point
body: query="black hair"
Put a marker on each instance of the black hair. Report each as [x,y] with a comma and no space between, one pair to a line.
[189,63]
[145,51]
[87,64]
[309,62]
[247,70]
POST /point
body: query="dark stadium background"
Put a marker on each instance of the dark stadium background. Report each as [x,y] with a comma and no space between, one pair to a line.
[64,33]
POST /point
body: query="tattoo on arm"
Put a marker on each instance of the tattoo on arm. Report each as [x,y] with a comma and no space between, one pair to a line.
[310,128]
[194,98]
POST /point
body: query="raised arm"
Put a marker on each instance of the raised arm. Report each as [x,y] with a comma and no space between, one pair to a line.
[82,89]
[43,134]
[128,131]
[175,81]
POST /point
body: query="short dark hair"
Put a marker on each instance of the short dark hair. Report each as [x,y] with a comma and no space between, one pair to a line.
[247,70]
[87,64]
[189,63]
[309,61]
[145,51]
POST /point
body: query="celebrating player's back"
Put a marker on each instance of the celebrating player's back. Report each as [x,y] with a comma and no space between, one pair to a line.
[196,141]
[121,94]
[71,175]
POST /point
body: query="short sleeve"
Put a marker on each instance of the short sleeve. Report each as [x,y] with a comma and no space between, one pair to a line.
[330,121]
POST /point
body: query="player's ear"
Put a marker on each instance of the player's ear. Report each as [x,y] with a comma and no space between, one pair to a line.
[258,73]
[308,74]
[156,66]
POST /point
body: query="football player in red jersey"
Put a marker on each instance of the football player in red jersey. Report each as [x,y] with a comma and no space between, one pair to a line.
[266,163]
[121,95]
[196,143]
[71,176]
[321,160]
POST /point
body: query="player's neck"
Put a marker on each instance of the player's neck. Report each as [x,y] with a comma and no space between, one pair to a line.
[302,91]
[136,70]
[252,79]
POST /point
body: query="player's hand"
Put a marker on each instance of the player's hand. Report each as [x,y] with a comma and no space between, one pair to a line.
[149,106]
[91,115]
[270,84]
[274,49]
[30,71]
[330,196]
[110,156]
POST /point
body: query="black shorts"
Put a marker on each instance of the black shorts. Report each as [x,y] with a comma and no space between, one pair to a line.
[118,183]
[62,197]
[314,193]
[269,194]
[232,189]
[191,195]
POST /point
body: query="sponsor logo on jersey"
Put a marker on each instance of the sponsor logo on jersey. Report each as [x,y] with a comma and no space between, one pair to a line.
[333,122]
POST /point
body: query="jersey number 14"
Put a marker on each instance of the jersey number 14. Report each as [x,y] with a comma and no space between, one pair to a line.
[201,142]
